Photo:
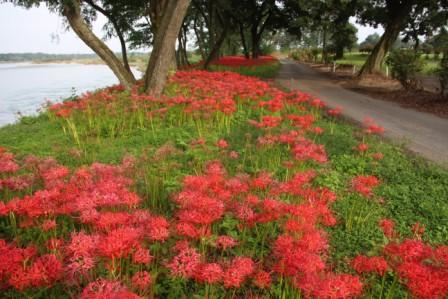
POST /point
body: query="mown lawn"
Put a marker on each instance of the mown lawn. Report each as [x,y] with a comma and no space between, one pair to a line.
[225,188]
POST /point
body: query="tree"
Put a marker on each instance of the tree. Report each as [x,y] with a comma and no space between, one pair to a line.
[256,17]
[72,11]
[395,16]
[143,22]
[392,15]
[164,42]
[369,43]
[113,14]
[343,37]
[439,42]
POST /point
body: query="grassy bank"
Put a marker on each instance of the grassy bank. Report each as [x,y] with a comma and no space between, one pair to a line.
[225,188]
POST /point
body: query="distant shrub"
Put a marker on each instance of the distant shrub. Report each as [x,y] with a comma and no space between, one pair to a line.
[366,48]
[304,54]
[405,65]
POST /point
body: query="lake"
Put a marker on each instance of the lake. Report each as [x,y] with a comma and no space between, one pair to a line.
[25,87]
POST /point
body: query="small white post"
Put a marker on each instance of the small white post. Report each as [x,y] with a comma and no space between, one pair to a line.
[334,67]
[387,71]
[354,69]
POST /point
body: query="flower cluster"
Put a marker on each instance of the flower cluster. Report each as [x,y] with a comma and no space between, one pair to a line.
[422,268]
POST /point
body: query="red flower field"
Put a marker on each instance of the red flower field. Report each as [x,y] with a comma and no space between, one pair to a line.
[238,200]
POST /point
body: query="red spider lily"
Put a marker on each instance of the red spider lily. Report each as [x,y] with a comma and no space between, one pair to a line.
[364,184]
[262,279]
[318,103]
[303,121]
[372,127]
[387,225]
[24,269]
[234,155]
[102,288]
[142,256]
[423,269]
[364,264]
[335,112]
[307,150]
[274,105]
[225,242]
[222,143]
[48,225]
[418,229]
[185,263]
[238,270]
[267,122]
[339,286]
[7,163]
[377,156]
[318,130]
[362,147]
[209,273]
[141,280]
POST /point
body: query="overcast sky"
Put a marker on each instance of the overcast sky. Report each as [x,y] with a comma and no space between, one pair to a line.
[38,30]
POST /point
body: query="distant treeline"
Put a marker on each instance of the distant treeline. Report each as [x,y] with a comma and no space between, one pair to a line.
[17,57]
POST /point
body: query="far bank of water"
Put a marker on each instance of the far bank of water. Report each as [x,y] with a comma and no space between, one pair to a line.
[26,87]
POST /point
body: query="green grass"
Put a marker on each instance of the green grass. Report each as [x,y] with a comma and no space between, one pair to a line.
[358,59]
[269,70]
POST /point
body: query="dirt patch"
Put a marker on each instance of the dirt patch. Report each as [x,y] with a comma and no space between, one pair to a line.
[421,100]
[387,89]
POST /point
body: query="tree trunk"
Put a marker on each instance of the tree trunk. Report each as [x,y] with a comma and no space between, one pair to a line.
[214,53]
[156,10]
[339,53]
[376,58]
[324,57]
[243,41]
[77,23]
[120,36]
[164,46]
[256,38]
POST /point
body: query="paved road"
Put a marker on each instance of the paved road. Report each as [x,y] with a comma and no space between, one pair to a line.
[422,133]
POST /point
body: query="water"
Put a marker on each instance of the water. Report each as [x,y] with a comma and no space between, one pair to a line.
[25,87]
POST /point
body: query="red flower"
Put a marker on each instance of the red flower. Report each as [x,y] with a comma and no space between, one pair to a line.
[372,127]
[238,270]
[185,264]
[377,156]
[387,225]
[222,143]
[142,256]
[141,280]
[364,264]
[335,112]
[362,147]
[209,273]
[225,242]
[338,286]
[262,279]
[364,184]
[48,224]
[102,288]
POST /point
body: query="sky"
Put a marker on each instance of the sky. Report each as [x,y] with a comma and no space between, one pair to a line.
[38,30]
